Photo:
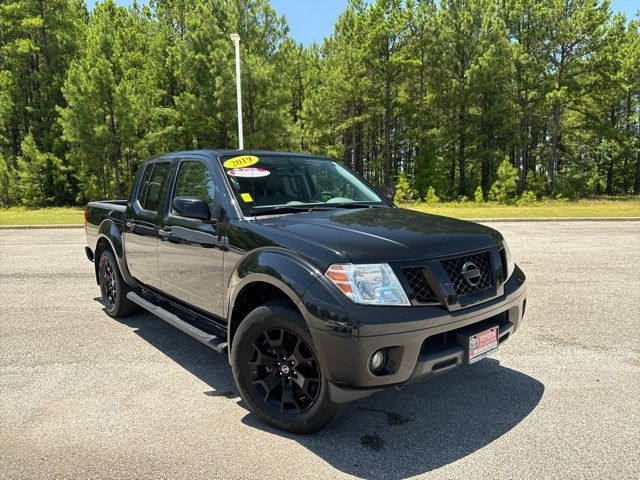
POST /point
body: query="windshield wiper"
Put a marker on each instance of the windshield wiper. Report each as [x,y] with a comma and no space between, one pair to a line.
[352,205]
[286,209]
[315,207]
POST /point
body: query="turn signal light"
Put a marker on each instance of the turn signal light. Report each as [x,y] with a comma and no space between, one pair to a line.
[339,277]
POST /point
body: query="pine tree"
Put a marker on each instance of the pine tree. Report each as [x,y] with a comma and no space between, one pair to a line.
[490,82]
[527,33]
[110,94]
[504,189]
[415,96]
[41,179]
[335,109]
[576,30]
[456,48]
[38,41]
[437,91]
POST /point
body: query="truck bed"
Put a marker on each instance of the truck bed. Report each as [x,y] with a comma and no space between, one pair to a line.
[97,212]
[114,205]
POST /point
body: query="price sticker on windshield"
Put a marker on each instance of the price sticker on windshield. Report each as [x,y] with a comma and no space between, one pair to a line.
[241,161]
[248,172]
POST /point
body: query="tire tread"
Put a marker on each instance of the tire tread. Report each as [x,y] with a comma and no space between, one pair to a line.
[124,306]
[322,413]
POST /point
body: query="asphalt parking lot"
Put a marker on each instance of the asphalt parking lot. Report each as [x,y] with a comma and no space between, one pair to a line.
[86,396]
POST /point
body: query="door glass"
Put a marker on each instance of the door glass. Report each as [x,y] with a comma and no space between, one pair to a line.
[158,179]
[144,184]
[195,180]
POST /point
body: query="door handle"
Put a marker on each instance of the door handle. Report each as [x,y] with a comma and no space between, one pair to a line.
[164,234]
[130,225]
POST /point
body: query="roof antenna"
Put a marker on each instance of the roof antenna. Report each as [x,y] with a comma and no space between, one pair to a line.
[235,38]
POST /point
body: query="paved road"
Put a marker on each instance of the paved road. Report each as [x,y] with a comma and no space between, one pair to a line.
[86,396]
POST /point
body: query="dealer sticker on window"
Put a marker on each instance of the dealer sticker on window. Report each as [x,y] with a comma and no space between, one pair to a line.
[482,344]
[241,161]
[248,172]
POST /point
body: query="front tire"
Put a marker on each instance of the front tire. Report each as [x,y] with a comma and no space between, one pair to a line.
[113,287]
[277,372]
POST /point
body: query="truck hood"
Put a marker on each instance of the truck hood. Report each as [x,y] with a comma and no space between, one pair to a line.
[373,235]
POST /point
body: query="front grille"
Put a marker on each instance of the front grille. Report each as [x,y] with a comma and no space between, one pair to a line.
[420,288]
[453,267]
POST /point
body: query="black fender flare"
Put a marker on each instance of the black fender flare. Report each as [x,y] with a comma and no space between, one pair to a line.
[276,266]
[304,285]
[108,231]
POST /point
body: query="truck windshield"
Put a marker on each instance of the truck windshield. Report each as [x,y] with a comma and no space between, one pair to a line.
[266,184]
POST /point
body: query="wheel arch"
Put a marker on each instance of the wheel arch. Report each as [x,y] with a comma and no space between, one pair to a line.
[257,292]
[110,238]
[266,275]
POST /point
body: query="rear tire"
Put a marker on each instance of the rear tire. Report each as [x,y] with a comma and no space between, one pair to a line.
[276,370]
[113,287]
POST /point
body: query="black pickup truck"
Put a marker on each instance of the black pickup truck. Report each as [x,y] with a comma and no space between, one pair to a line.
[318,288]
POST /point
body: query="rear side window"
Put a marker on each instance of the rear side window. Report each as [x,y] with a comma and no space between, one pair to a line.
[144,183]
[155,176]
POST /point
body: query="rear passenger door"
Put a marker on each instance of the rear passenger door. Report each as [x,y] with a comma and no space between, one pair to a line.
[142,219]
[190,252]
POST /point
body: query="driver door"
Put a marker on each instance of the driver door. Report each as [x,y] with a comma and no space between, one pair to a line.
[190,251]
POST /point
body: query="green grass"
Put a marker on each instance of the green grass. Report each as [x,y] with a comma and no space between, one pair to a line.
[628,207]
[41,216]
[541,209]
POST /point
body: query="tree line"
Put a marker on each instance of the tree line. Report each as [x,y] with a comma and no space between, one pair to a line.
[429,96]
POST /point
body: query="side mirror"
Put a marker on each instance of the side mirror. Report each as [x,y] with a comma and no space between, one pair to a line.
[192,207]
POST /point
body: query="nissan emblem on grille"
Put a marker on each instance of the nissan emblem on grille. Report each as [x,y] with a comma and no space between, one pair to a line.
[471,273]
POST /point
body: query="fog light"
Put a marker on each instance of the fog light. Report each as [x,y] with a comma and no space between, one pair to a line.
[377,360]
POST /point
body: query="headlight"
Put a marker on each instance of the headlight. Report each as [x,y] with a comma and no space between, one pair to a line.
[507,255]
[370,284]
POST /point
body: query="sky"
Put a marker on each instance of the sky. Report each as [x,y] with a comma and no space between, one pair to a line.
[312,20]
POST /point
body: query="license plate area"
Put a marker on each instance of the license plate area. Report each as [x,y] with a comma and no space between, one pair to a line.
[478,341]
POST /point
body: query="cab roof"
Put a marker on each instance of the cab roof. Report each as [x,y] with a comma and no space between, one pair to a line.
[228,151]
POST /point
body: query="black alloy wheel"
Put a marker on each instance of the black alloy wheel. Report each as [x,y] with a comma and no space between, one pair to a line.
[284,371]
[278,372]
[108,284]
[113,287]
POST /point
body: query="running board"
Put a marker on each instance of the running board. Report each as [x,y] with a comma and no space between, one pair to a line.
[217,343]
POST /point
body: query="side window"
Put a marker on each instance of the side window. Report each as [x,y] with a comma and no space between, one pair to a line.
[151,199]
[195,180]
[144,183]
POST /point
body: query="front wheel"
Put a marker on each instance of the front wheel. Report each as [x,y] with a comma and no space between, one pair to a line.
[277,372]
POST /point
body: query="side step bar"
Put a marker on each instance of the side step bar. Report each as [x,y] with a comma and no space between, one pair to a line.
[217,343]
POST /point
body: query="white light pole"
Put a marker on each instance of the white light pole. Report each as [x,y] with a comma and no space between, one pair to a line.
[235,38]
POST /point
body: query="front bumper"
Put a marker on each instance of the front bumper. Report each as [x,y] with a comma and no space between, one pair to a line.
[420,341]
